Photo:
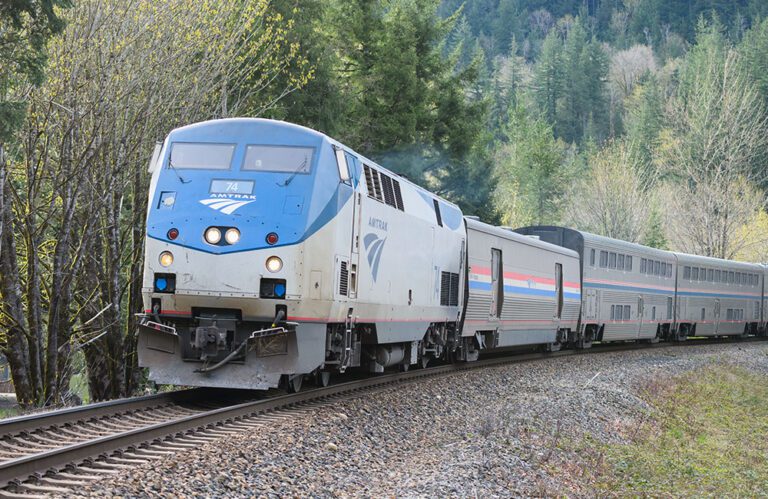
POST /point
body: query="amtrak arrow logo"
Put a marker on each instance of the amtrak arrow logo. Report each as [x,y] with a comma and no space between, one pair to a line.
[226,206]
[374,246]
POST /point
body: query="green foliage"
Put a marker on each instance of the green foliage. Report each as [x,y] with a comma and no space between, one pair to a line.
[654,234]
[755,52]
[25,27]
[531,172]
[644,121]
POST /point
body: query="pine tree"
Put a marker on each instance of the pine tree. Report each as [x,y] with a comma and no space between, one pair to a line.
[548,79]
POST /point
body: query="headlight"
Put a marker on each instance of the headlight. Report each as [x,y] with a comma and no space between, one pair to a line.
[232,236]
[166,258]
[274,264]
[212,235]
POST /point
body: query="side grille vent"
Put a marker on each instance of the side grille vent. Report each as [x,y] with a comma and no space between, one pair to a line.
[398,195]
[383,188]
[454,296]
[344,280]
[389,193]
[449,289]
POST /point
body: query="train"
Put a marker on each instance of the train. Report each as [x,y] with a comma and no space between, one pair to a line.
[275,254]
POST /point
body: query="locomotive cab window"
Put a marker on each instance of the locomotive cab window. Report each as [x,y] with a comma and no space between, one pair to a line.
[201,156]
[341,163]
[281,159]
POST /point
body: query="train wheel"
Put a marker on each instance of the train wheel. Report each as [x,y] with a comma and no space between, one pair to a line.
[323,378]
[295,382]
[404,368]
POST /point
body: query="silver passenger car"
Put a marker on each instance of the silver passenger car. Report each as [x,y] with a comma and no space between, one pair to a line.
[718,297]
[628,290]
[522,291]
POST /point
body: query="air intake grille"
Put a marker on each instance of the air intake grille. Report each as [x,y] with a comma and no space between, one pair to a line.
[398,194]
[449,289]
[389,193]
[344,280]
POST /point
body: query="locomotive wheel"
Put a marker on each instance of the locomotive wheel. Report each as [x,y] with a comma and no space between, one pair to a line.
[323,378]
[294,383]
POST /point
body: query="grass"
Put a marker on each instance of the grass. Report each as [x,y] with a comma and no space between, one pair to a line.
[9,412]
[707,435]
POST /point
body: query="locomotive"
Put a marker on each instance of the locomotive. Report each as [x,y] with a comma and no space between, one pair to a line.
[275,253]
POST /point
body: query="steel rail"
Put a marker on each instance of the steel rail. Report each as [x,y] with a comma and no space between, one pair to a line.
[14,470]
[39,420]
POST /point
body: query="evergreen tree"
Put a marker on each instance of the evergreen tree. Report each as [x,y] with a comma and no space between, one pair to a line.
[583,112]
[548,78]
[531,172]
[644,121]
[25,27]
[410,107]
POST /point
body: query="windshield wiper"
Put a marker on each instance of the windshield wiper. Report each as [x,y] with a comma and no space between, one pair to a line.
[296,172]
[170,165]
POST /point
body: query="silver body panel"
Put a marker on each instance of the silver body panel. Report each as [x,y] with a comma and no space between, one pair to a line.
[714,307]
[528,309]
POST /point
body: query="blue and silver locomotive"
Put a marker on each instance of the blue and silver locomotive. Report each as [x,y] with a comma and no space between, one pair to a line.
[274,252]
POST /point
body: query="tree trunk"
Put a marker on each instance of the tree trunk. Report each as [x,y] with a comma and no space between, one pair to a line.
[16,348]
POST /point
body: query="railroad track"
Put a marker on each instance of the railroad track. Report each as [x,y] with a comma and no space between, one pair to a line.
[52,453]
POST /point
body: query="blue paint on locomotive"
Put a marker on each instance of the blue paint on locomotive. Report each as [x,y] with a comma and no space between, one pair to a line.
[295,206]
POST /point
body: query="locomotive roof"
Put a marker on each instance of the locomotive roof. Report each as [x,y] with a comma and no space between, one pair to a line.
[287,126]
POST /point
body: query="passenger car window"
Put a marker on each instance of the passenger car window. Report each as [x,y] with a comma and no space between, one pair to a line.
[201,156]
[612,260]
[628,263]
[592,257]
[695,274]
[603,259]
[620,262]
[687,272]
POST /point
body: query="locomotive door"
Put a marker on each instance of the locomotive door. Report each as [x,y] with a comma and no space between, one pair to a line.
[349,172]
[354,256]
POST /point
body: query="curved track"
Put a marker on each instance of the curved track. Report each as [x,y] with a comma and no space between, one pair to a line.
[55,452]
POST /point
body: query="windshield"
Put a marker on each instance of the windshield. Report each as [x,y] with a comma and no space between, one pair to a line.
[201,156]
[285,159]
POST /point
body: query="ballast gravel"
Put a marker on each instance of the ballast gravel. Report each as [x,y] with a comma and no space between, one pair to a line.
[494,432]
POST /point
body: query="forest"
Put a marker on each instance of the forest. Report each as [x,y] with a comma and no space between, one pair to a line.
[643,120]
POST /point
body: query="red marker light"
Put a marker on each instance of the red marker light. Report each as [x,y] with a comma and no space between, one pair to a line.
[272,238]
[173,234]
